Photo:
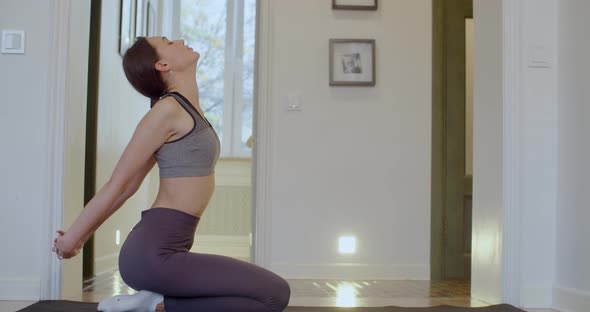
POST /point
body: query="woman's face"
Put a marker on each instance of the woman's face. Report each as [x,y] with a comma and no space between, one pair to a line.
[174,55]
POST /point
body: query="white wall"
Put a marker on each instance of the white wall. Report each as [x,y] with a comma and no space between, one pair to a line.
[355,161]
[23,128]
[539,154]
[32,93]
[486,263]
[572,292]
[534,155]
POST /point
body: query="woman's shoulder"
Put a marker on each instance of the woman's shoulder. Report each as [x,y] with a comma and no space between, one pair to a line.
[166,105]
[166,100]
[165,110]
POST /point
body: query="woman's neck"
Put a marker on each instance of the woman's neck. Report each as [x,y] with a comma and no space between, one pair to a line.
[188,87]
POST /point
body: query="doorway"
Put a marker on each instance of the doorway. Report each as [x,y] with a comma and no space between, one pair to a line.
[452,140]
[91,120]
[226,40]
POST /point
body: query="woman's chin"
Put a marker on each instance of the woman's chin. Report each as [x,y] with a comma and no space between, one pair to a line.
[196,57]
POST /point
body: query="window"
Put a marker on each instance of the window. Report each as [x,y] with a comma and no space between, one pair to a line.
[223,32]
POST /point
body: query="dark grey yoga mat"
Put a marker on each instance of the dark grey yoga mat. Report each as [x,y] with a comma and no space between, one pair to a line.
[441,308]
[75,306]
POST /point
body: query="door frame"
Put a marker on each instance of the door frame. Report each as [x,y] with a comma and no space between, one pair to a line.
[265,142]
[263,139]
[448,154]
[66,82]
[51,270]
[512,159]
[510,211]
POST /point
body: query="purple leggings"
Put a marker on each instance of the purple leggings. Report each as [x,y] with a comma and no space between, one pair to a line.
[156,257]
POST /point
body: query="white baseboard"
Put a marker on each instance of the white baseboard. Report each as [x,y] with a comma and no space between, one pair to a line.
[352,271]
[18,288]
[105,264]
[570,300]
[231,246]
[537,297]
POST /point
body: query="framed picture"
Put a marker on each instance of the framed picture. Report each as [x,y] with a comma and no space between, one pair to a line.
[369,5]
[352,62]
[126,25]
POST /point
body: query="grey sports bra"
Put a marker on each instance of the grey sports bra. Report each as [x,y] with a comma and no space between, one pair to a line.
[194,154]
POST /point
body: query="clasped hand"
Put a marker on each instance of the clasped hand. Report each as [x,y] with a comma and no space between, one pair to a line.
[64,247]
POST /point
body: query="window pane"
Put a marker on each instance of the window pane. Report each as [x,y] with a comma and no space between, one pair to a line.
[248,70]
[203,27]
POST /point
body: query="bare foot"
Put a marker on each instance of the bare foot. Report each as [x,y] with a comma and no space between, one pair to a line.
[160,307]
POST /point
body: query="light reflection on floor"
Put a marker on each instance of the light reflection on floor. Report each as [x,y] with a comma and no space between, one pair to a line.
[346,295]
[340,293]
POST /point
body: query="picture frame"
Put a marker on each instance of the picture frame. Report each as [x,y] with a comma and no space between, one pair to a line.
[352,62]
[364,5]
[126,25]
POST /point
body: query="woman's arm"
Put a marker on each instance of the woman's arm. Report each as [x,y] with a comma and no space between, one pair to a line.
[129,192]
[152,131]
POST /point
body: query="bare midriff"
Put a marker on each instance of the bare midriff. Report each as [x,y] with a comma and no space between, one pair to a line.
[187,194]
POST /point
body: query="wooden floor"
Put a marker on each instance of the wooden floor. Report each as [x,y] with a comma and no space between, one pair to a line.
[329,292]
[338,293]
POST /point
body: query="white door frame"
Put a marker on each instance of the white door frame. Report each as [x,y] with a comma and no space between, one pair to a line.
[57,81]
[512,20]
[66,82]
[265,142]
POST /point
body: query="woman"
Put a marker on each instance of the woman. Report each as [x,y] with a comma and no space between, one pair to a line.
[155,257]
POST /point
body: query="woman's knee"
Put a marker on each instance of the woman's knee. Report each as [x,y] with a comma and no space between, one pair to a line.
[282,294]
[285,294]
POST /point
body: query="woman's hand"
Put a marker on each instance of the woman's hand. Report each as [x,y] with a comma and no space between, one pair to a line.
[64,247]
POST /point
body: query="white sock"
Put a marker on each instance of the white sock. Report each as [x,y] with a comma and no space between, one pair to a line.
[143,301]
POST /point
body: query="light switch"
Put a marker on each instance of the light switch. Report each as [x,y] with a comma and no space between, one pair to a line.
[540,56]
[13,41]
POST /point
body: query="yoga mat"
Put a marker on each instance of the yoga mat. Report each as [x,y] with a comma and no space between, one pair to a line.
[75,306]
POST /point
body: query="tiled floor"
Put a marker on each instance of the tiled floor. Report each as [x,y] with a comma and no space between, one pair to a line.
[322,293]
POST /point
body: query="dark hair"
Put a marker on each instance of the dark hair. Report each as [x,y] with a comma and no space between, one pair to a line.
[138,64]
